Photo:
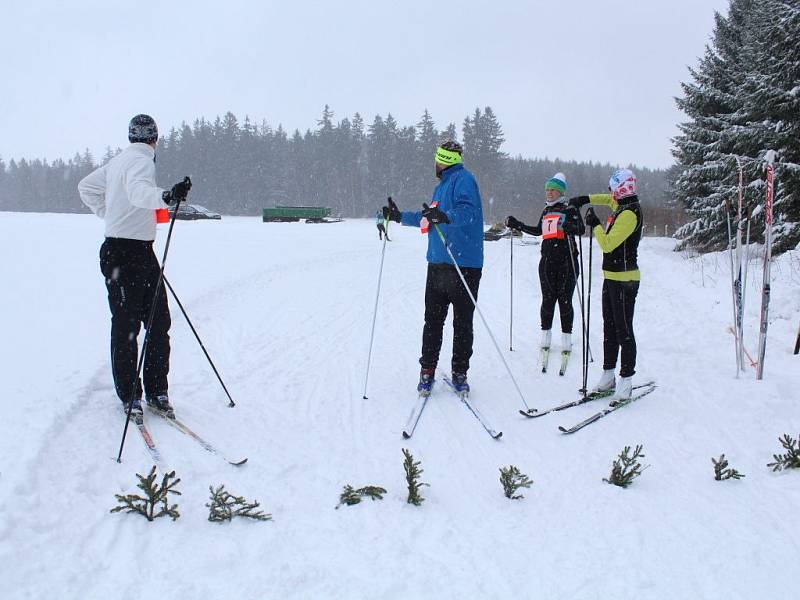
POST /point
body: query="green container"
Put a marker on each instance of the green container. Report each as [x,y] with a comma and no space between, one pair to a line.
[295,213]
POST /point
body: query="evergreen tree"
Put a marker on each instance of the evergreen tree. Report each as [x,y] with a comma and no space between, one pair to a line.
[771,117]
[706,163]
[249,160]
[626,468]
[512,480]
[471,137]
[155,495]
[25,182]
[224,506]
[723,471]
[409,180]
[484,155]
[789,460]
[742,102]
[351,496]
[413,474]
[450,133]
[325,164]
[379,164]
[427,136]
[4,199]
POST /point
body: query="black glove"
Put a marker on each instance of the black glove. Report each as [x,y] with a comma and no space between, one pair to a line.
[591,219]
[579,201]
[434,215]
[391,212]
[179,191]
[513,223]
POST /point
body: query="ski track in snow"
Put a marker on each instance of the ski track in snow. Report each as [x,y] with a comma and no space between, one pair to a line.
[285,311]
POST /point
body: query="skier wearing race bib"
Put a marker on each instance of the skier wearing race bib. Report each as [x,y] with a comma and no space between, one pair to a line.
[558,267]
[381,227]
[456,209]
[619,241]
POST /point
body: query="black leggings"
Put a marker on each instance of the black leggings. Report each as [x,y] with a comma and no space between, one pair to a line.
[131,270]
[558,284]
[444,287]
[619,301]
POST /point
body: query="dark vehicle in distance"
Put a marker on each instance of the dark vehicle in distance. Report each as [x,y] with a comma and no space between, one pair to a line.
[191,212]
[289,214]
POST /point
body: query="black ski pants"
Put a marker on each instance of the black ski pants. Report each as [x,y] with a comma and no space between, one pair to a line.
[619,301]
[557,279]
[131,270]
[443,288]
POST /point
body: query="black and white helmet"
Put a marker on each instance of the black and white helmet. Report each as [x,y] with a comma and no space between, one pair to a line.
[142,128]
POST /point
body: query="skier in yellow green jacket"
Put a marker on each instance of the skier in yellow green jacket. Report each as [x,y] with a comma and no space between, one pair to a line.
[619,241]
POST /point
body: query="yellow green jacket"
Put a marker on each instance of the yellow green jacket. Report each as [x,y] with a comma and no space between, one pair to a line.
[619,239]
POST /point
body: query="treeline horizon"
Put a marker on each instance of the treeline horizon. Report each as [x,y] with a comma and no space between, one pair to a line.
[239,168]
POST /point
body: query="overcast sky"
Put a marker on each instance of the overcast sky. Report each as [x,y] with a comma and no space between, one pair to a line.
[572,79]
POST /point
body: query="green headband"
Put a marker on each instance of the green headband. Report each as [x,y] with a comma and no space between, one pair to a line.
[447,157]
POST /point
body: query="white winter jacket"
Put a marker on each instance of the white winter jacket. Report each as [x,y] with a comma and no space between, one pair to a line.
[124,193]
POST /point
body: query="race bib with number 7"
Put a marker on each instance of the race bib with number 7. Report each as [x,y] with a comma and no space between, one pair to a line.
[551,226]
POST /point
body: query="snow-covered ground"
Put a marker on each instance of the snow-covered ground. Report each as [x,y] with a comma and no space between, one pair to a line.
[285,311]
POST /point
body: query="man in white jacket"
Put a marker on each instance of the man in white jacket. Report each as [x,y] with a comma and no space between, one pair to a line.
[123,192]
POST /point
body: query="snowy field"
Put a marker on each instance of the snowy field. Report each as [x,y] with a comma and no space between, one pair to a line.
[285,311]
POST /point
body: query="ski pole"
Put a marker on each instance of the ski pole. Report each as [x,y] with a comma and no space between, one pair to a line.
[588,311]
[733,285]
[377,296]
[584,333]
[511,295]
[231,404]
[580,298]
[150,322]
[480,313]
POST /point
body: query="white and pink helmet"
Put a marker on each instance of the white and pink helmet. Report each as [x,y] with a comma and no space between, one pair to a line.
[622,184]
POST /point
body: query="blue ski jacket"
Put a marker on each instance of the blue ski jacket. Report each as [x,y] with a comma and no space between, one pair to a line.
[459,197]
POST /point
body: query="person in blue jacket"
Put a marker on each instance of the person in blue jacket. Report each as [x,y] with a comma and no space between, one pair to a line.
[457,211]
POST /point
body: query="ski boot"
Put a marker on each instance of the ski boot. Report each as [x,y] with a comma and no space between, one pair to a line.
[566,351]
[160,404]
[544,349]
[606,383]
[460,384]
[136,413]
[426,379]
[622,395]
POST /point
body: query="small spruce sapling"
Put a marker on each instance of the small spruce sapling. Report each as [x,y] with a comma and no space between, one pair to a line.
[224,506]
[722,471]
[513,479]
[350,496]
[155,494]
[413,473]
[790,460]
[626,468]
